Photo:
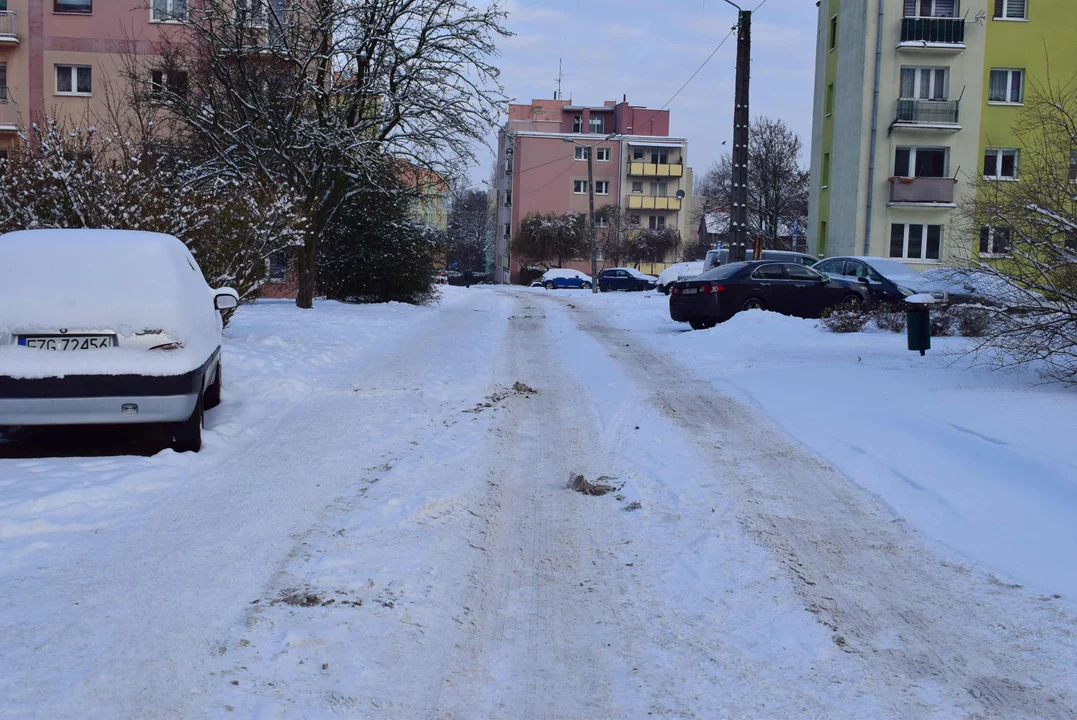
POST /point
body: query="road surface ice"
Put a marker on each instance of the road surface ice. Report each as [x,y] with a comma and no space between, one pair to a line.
[379,527]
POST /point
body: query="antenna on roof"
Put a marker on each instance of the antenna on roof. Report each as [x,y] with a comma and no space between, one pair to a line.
[560,75]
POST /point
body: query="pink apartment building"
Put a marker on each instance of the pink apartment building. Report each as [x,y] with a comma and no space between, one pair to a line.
[640,169]
[58,56]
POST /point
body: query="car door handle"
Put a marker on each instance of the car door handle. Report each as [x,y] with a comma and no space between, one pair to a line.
[799,285]
[765,284]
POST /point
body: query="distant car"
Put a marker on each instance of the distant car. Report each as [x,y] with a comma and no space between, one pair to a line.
[561,278]
[675,272]
[714,258]
[972,286]
[625,279]
[108,327]
[888,281]
[788,288]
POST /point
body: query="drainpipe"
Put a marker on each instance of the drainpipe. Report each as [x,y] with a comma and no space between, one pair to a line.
[874,127]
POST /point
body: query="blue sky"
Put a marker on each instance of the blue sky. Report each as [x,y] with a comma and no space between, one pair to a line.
[647,49]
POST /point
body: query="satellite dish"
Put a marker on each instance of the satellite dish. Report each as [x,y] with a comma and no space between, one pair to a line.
[680,194]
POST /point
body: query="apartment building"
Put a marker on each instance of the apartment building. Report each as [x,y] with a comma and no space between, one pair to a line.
[542,168]
[57,57]
[915,99]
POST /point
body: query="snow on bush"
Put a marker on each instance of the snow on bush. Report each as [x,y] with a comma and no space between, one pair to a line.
[845,320]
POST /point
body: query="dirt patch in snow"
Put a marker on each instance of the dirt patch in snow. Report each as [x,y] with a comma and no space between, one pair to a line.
[297,597]
[601,486]
[518,389]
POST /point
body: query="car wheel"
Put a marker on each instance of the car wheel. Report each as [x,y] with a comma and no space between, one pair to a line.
[548,286]
[640,287]
[186,436]
[213,392]
[664,289]
[753,304]
[852,302]
[586,286]
[604,287]
[702,324]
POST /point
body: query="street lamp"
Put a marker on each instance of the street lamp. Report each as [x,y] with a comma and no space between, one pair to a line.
[591,202]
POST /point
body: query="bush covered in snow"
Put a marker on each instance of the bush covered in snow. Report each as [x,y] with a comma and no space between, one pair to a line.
[889,316]
[845,320]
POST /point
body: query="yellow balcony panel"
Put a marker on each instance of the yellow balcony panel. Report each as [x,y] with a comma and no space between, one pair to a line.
[641,169]
[649,202]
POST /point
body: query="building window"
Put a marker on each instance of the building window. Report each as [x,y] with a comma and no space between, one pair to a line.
[833,32]
[602,187]
[595,125]
[507,230]
[74,80]
[994,241]
[1073,166]
[660,157]
[602,155]
[923,83]
[579,187]
[1000,164]
[637,187]
[829,105]
[83,7]
[169,10]
[1010,9]
[920,162]
[508,165]
[168,83]
[658,222]
[600,221]
[581,152]
[577,123]
[659,189]
[820,245]
[3,83]
[930,8]
[634,220]
[277,267]
[508,198]
[637,155]
[1070,238]
[1006,86]
[915,242]
[825,173]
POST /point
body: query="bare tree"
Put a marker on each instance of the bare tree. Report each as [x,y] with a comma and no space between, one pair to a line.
[467,238]
[308,92]
[1025,235]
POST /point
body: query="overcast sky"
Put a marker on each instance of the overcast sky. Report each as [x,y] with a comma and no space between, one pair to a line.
[647,48]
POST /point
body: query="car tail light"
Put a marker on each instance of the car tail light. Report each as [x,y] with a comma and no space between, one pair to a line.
[712,289]
[168,346]
[675,291]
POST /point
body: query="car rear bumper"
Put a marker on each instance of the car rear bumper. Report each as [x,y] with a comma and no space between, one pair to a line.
[699,307]
[108,410]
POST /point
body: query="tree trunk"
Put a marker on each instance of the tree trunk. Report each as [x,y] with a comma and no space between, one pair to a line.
[304,294]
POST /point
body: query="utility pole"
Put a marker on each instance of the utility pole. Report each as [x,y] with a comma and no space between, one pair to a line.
[591,201]
[738,214]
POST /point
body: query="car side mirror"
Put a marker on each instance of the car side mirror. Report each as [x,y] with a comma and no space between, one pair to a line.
[226,299]
[863,281]
[825,279]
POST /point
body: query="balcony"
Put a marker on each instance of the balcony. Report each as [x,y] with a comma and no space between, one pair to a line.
[928,33]
[9,26]
[650,202]
[927,114]
[642,169]
[922,191]
[8,112]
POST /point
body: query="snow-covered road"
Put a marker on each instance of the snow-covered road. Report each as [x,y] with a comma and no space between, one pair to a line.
[379,527]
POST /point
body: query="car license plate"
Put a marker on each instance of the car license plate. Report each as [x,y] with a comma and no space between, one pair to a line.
[689,291]
[67,343]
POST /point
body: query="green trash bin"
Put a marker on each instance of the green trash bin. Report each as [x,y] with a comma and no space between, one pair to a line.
[918,322]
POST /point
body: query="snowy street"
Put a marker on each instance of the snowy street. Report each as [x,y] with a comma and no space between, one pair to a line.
[379,526]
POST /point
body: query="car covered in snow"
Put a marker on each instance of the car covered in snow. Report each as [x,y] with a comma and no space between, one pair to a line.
[625,278]
[888,281]
[561,278]
[676,272]
[108,327]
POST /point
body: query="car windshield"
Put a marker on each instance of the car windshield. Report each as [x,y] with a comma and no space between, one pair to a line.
[891,269]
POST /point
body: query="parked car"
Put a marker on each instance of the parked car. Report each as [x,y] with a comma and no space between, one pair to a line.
[969,285]
[789,288]
[561,278]
[714,258]
[887,280]
[677,271]
[108,327]
[625,279]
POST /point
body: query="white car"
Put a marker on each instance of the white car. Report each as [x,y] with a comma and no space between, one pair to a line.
[677,272]
[108,327]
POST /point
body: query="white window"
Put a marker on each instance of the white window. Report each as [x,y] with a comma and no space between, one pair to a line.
[600,221]
[579,187]
[637,187]
[83,7]
[994,241]
[1000,164]
[658,221]
[74,80]
[169,10]
[581,153]
[164,83]
[1010,9]
[659,157]
[920,162]
[923,83]
[915,242]
[930,8]
[507,230]
[637,154]
[602,187]
[1006,86]
[659,189]
[595,125]
[508,198]
[602,155]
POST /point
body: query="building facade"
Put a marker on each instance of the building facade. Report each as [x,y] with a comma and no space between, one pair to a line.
[542,168]
[915,100]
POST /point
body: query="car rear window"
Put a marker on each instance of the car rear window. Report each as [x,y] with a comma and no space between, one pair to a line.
[722,272]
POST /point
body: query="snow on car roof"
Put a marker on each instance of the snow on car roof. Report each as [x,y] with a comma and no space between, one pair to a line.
[562,272]
[634,272]
[889,268]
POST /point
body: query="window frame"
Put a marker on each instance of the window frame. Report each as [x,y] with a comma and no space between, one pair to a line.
[913,150]
[992,231]
[599,184]
[576,185]
[169,13]
[508,198]
[999,153]
[636,183]
[920,74]
[57,10]
[824,172]
[1005,5]
[599,152]
[592,121]
[924,235]
[755,273]
[832,41]
[577,123]
[811,273]
[828,101]
[166,87]
[1009,86]
[656,222]
[580,153]
[73,70]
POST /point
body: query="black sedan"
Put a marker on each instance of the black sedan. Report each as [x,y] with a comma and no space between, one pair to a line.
[789,288]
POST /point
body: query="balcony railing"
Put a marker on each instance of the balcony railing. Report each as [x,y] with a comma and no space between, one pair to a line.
[7,110]
[642,169]
[933,31]
[650,202]
[912,111]
[922,190]
[9,26]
